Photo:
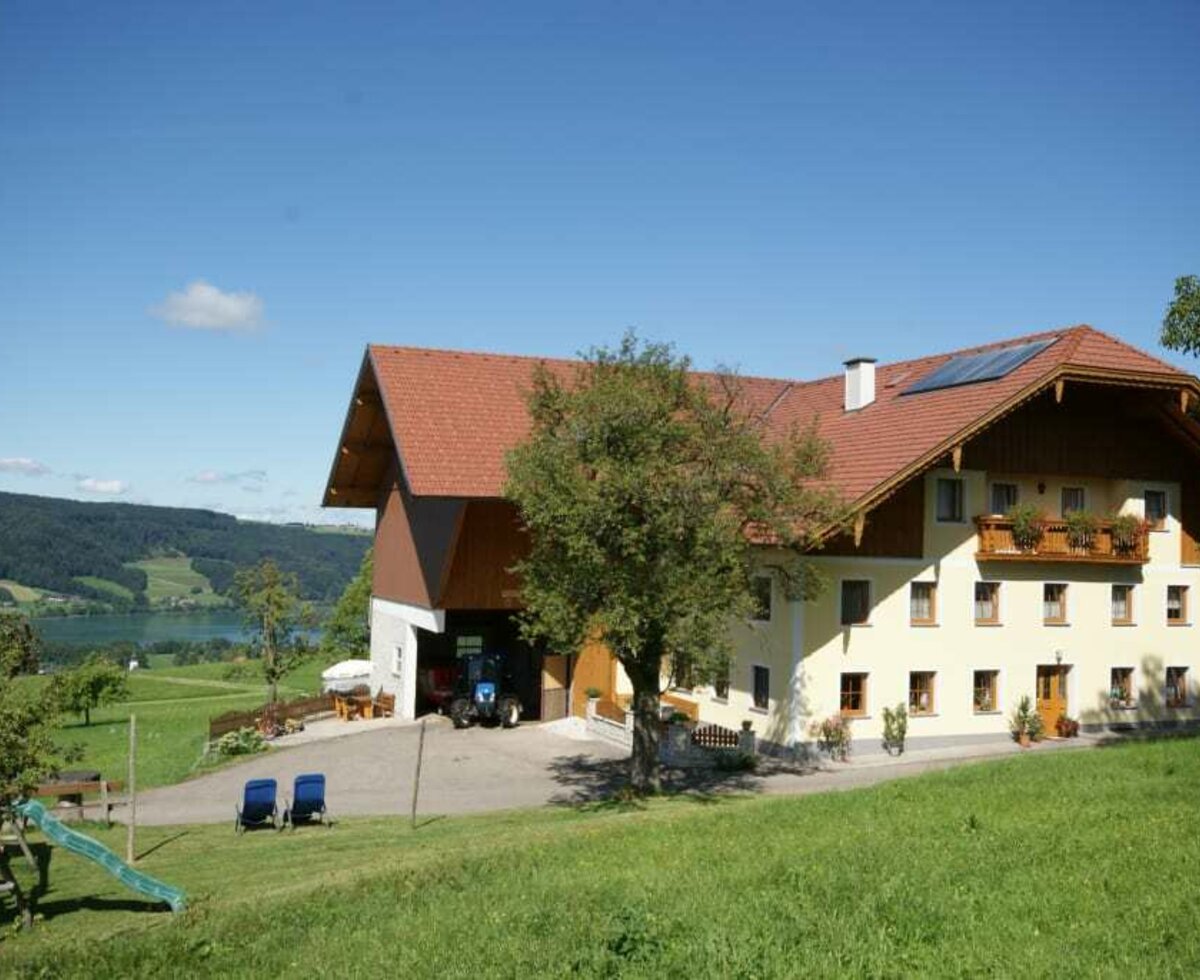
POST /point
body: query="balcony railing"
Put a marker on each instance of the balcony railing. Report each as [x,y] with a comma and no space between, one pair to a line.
[996,543]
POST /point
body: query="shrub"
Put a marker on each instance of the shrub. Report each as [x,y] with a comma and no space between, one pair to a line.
[895,728]
[1026,721]
[1066,727]
[1081,529]
[241,670]
[1127,530]
[594,692]
[735,760]
[833,736]
[245,741]
[678,718]
[1027,525]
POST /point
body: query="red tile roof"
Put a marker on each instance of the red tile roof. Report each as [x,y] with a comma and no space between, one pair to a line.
[454,414]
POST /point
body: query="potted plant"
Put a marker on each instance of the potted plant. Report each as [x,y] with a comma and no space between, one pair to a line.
[1026,723]
[1081,530]
[1027,525]
[593,693]
[1127,532]
[895,729]
[1066,727]
[833,737]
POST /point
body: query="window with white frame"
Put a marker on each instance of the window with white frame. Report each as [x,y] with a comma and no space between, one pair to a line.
[465,645]
[398,659]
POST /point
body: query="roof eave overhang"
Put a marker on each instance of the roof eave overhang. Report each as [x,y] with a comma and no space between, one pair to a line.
[358,497]
[1063,372]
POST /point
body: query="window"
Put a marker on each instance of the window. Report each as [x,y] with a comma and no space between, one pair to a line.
[987,686]
[1072,499]
[854,694]
[721,688]
[1177,605]
[1122,605]
[762,687]
[683,677]
[761,589]
[856,602]
[987,603]
[1177,687]
[1156,509]
[1120,688]
[464,646]
[920,692]
[1054,603]
[1004,497]
[398,659]
[922,603]
[950,501]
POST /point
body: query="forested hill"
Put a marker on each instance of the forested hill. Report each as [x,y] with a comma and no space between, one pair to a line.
[52,544]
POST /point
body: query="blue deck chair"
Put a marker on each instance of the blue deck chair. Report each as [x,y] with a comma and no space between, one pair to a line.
[308,801]
[258,807]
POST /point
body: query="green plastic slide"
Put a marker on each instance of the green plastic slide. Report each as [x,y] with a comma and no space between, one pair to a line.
[93,850]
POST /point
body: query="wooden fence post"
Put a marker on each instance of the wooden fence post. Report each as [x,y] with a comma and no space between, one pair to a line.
[417,776]
[129,855]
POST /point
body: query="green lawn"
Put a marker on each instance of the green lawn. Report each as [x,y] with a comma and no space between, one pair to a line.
[174,578]
[22,593]
[104,585]
[1046,864]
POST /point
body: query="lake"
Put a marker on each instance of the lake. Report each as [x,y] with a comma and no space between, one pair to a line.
[145,628]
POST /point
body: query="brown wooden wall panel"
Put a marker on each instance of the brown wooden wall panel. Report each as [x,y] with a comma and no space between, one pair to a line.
[413,541]
[1190,518]
[894,529]
[490,541]
[1097,431]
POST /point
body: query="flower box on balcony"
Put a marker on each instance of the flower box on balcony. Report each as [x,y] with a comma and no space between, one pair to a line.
[1105,544]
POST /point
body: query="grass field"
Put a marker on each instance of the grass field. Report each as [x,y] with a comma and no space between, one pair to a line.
[1055,864]
[174,578]
[104,585]
[22,593]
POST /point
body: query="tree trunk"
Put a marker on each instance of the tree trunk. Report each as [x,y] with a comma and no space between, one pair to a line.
[87,717]
[647,732]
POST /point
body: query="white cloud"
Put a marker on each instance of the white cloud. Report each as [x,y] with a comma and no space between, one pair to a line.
[218,476]
[89,484]
[203,306]
[23,465]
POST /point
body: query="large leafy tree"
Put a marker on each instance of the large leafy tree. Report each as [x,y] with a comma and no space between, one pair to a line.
[94,683]
[270,599]
[650,495]
[1181,325]
[28,754]
[347,632]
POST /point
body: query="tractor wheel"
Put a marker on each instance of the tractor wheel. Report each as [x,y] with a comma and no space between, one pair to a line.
[460,713]
[510,712]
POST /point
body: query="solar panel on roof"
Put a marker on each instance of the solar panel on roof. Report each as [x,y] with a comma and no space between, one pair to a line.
[967,369]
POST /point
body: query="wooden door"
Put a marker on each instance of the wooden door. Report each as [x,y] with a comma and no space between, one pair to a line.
[1051,696]
[554,687]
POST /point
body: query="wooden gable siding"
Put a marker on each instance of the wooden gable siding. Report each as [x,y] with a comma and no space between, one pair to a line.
[1097,431]
[414,538]
[894,529]
[1190,519]
[490,541]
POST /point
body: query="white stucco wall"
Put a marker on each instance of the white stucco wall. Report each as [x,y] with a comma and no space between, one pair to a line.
[807,649]
[394,628]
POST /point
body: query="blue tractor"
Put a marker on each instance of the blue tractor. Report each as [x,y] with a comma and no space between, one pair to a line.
[485,693]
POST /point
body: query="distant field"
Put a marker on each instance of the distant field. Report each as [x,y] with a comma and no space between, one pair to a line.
[174,578]
[22,593]
[952,874]
[104,585]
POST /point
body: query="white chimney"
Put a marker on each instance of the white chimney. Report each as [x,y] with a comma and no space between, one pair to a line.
[860,383]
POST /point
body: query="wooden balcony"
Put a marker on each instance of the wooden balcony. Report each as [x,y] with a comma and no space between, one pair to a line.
[996,544]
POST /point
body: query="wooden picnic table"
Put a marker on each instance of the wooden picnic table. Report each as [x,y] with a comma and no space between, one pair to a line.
[72,793]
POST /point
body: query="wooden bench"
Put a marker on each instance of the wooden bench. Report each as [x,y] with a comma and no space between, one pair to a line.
[74,793]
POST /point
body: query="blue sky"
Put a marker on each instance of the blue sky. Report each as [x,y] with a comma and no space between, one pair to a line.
[775,186]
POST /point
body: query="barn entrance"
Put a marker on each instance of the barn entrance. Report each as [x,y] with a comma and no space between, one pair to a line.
[541,682]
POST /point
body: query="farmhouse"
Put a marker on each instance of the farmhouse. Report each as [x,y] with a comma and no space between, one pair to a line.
[1026,522]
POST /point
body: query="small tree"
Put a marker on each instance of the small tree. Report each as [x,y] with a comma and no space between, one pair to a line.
[1181,324]
[270,598]
[94,683]
[645,490]
[347,632]
[28,754]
